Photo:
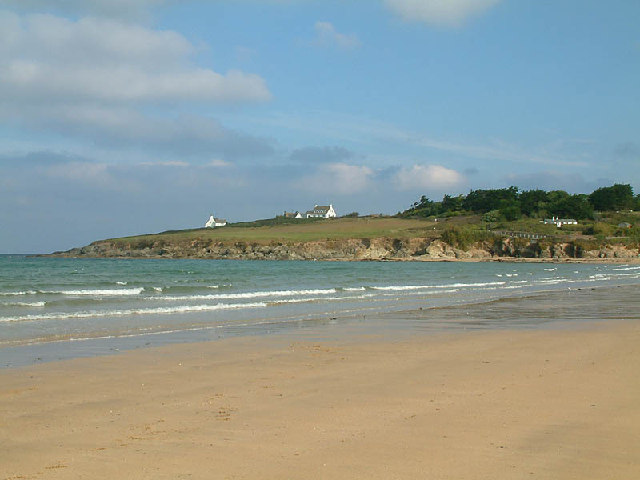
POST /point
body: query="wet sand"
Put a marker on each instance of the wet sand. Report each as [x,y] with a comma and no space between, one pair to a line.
[560,403]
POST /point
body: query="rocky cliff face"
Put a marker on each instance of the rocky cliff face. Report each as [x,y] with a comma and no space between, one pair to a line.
[377,249]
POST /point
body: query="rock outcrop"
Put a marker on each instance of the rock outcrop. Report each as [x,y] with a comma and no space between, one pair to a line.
[355,249]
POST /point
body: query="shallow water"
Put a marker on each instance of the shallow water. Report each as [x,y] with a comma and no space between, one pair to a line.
[84,307]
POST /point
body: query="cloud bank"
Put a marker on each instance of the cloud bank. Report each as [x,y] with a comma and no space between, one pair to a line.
[117,85]
[428,177]
[43,57]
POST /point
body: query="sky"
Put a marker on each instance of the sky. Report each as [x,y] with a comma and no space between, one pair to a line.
[123,117]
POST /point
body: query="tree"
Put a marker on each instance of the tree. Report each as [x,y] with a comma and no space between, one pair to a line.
[511,212]
[482,201]
[452,204]
[574,206]
[533,201]
[616,197]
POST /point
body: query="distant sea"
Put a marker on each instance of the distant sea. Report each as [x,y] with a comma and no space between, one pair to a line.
[56,308]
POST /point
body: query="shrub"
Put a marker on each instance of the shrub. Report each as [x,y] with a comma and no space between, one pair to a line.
[463,238]
[492,216]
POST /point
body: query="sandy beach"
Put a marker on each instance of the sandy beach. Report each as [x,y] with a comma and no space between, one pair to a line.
[561,403]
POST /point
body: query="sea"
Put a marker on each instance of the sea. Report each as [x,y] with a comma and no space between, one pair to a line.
[62,308]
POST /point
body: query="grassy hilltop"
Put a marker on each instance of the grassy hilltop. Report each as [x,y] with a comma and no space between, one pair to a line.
[265,232]
[459,231]
[484,224]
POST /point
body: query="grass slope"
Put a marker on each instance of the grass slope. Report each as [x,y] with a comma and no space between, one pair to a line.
[300,231]
[462,229]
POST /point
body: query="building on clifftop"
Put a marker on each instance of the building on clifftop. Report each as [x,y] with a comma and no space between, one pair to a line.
[321,211]
[215,222]
[559,222]
[292,215]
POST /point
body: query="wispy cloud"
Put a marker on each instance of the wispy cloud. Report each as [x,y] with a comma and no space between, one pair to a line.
[107,8]
[370,134]
[440,12]
[314,154]
[328,36]
[123,128]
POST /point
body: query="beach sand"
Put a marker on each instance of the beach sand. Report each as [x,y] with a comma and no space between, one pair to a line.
[559,403]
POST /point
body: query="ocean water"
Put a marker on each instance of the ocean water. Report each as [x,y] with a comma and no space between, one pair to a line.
[61,308]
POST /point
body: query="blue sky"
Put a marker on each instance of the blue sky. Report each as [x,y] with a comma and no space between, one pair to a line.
[120,117]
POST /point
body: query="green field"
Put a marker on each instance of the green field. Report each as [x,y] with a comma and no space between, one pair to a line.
[471,227]
[300,231]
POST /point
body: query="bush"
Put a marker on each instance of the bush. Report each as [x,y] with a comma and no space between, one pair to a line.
[463,238]
[598,228]
[492,216]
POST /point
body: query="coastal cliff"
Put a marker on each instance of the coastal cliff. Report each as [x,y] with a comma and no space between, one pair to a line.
[354,249]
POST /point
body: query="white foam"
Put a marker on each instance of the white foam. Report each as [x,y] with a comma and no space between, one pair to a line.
[551,281]
[238,296]
[121,283]
[135,311]
[600,276]
[99,292]
[486,284]
[318,299]
[24,304]
[400,288]
[11,294]
[354,289]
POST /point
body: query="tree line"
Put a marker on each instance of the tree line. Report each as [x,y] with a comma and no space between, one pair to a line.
[512,204]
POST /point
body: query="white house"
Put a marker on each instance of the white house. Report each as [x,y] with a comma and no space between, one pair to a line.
[321,211]
[559,222]
[292,215]
[215,222]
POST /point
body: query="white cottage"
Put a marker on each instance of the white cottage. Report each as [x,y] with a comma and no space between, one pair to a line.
[559,222]
[215,222]
[321,211]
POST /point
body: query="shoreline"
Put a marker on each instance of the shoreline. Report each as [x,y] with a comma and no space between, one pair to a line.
[511,403]
[632,260]
[376,248]
[393,321]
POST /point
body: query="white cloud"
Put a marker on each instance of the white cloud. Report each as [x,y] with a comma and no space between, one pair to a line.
[111,83]
[86,173]
[428,177]
[338,178]
[171,163]
[47,57]
[219,163]
[439,12]
[109,8]
[122,9]
[126,128]
[328,36]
